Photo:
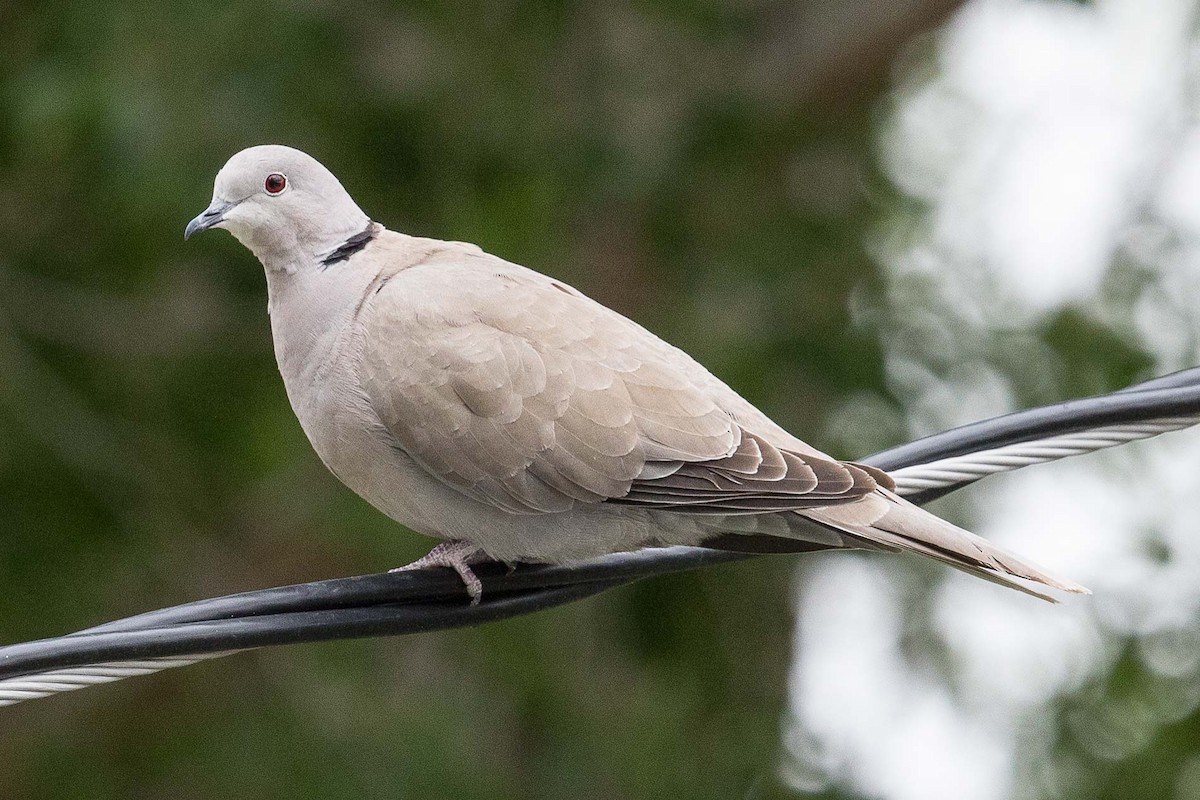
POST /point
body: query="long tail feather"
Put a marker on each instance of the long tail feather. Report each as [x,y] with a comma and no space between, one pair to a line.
[907,527]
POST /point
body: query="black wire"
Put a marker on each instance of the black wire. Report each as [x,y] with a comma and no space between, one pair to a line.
[429,600]
[427,587]
[1176,394]
[1172,395]
[288,627]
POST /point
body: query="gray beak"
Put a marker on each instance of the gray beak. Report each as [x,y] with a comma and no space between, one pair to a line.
[211,216]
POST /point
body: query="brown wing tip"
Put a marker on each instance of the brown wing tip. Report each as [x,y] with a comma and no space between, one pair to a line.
[884,480]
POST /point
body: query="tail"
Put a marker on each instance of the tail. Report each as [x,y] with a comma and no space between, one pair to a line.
[901,525]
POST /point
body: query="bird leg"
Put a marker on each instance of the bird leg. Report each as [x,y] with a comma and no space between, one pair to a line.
[453,553]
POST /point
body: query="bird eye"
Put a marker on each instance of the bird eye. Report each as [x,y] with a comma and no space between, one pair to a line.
[275,183]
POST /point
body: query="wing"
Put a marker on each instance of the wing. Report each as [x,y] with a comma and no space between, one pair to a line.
[522,393]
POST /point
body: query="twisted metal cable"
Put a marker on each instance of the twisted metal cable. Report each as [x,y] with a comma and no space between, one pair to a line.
[57,681]
[958,471]
[426,600]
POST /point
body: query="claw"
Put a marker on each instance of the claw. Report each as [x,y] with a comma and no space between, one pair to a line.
[453,553]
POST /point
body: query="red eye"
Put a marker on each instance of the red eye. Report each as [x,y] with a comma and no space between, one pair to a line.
[275,183]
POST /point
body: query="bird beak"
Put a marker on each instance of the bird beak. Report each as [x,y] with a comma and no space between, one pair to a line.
[212,215]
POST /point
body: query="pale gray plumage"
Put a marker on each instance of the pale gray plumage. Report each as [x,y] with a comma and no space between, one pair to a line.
[477,401]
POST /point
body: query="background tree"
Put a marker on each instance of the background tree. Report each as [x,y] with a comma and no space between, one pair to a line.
[770,186]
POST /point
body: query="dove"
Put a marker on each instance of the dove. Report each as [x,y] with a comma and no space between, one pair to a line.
[512,417]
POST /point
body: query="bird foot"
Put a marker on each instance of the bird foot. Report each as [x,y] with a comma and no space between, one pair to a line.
[453,553]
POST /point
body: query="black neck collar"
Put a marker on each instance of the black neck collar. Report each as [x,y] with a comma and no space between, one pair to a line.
[351,246]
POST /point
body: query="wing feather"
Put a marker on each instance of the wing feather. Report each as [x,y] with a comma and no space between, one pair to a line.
[533,398]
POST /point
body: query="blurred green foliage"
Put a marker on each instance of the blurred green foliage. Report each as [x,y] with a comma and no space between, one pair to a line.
[694,165]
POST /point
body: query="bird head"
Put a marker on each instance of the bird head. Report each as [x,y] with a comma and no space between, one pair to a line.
[283,205]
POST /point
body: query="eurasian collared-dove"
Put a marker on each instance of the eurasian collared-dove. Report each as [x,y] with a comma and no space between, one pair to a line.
[508,414]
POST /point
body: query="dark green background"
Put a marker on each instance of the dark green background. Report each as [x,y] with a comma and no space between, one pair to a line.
[706,168]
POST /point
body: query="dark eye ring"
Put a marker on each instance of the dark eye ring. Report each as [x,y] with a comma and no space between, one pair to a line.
[275,183]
